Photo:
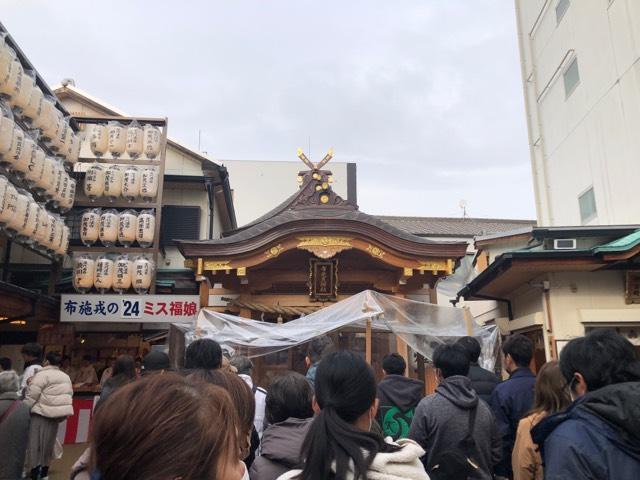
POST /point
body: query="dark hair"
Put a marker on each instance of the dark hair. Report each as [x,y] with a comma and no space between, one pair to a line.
[602,357]
[451,360]
[242,364]
[319,347]
[124,365]
[288,395]
[5,363]
[394,364]
[520,348]
[551,392]
[32,349]
[137,432]
[345,390]
[203,353]
[472,346]
[241,395]
[86,358]
[54,358]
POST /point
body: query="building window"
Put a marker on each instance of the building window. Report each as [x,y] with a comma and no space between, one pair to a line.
[179,223]
[561,8]
[587,203]
[571,78]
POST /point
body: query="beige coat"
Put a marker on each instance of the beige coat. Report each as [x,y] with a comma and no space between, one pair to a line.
[525,459]
[403,464]
[50,393]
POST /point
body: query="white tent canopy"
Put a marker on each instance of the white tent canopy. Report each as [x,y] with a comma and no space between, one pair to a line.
[423,326]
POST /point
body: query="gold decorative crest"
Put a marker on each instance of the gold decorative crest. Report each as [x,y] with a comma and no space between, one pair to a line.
[274,251]
[213,265]
[325,246]
[376,251]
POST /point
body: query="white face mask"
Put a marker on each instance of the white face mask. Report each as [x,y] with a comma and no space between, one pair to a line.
[246,474]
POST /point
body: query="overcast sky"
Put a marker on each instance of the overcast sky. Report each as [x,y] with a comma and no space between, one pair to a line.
[425,96]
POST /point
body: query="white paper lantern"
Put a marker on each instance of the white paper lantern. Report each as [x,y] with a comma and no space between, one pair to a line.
[35,170]
[28,229]
[127,224]
[151,141]
[146,230]
[84,268]
[7,127]
[94,182]
[113,182]
[73,147]
[7,56]
[42,232]
[135,137]
[103,277]
[53,191]
[108,228]
[21,165]
[143,270]
[22,206]
[131,183]
[52,123]
[34,107]
[16,147]
[99,142]
[149,184]
[9,87]
[46,181]
[117,138]
[63,246]
[123,269]
[8,199]
[23,91]
[90,226]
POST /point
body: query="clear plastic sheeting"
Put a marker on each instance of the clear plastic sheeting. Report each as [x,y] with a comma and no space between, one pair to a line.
[423,326]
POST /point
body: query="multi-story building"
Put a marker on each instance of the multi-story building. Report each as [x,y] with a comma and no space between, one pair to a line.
[581,75]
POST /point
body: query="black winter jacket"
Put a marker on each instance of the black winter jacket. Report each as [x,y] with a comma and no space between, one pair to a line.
[483,381]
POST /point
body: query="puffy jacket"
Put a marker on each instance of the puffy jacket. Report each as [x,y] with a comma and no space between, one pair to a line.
[280,448]
[511,401]
[50,393]
[596,438]
[483,381]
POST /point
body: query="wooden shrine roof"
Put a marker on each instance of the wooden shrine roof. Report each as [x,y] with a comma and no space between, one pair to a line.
[316,209]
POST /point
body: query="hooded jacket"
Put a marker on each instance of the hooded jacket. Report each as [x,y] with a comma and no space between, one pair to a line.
[596,438]
[398,397]
[280,448]
[441,422]
[403,464]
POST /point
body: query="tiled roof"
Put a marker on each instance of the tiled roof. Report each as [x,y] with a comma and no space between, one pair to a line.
[454,227]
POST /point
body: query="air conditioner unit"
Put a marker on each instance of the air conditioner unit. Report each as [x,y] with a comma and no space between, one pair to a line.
[564,244]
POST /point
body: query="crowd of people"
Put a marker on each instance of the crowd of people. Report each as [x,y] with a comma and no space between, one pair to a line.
[579,417]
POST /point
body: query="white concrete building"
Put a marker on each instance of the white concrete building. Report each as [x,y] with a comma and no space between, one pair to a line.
[581,75]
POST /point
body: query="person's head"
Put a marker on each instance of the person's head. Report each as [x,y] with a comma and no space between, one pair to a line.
[54,359]
[288,395]
[9,382]
[599,359]
[345,403]
[393,364]
[243,365]
[165,426]
[241,395]
[5,364]
[317,349]
[450,360]
[124,366]
[551,392]
[66,361]
[472,346]
[155,362]
[203,353]
[518,352]
[31,352]
[108,363]
[86,360]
